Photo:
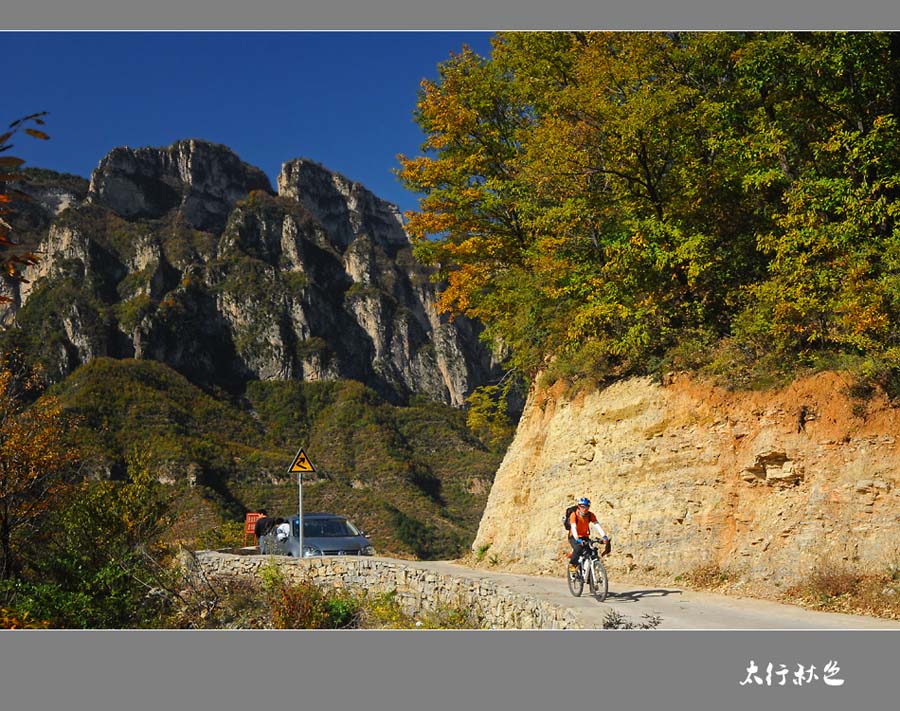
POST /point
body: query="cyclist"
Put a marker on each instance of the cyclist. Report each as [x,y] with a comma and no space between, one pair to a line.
[583,522]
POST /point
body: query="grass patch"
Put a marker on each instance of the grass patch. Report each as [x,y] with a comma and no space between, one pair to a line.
[708,576]
[832,587]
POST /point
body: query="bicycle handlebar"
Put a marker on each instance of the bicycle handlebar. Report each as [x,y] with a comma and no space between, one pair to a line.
[601,544]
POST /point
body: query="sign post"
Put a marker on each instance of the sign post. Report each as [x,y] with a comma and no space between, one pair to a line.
[301,464]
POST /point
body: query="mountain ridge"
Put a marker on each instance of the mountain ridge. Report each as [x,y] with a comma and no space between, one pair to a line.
[185,254]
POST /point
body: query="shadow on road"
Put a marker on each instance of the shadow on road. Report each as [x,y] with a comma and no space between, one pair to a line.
[637,595]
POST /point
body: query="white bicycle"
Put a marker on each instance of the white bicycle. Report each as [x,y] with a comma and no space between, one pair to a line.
[591,570]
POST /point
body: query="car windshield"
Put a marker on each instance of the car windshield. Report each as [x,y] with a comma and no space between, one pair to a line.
[325,528]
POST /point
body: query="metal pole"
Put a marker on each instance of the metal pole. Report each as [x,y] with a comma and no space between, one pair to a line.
[300,510]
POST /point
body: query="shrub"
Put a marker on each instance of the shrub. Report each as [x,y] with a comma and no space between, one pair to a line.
[616,621]
[827,585]
[221,602]
[14,620]
[305,605]
[707,575]
[383,611]
[105,564]
[451,617]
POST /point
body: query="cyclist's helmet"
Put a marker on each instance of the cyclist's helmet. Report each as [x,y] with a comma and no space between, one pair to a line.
[584,501]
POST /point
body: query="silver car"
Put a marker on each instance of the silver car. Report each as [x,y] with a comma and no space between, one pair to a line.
[323,534]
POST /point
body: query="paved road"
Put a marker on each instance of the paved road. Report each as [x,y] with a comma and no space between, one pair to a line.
[679,609]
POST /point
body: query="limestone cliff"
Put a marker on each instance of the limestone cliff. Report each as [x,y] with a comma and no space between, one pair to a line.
[185,255]
[768,485]
[203,180]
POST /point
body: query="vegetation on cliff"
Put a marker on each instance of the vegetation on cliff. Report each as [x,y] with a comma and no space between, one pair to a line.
[106,474]
[414,477]
[618,202]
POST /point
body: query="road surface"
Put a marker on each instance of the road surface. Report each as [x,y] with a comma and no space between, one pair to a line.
[678,608]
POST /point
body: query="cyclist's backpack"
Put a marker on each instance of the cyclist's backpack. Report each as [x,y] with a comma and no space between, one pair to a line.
[568,515]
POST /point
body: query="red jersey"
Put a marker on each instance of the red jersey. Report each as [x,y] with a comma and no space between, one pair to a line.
[582,523]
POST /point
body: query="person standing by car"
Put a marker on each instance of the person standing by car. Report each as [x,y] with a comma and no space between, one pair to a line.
[583,522]
[282,530]
[262,528]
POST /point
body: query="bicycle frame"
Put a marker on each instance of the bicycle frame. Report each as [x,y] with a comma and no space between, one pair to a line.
[586,567]
[594,574]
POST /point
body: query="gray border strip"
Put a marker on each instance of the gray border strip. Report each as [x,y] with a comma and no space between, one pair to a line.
[456,15]
[417,670]
[443,670]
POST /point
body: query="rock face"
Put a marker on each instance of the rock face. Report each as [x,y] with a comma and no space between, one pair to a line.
[185,255]
[770,486]
[345,209]
[200,179]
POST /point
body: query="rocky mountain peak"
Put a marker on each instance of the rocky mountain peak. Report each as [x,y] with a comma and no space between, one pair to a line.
[345,208]
[203,180]
[185,255]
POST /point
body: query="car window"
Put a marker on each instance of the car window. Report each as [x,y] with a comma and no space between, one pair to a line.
[313,528]
[353,530]
[325,528]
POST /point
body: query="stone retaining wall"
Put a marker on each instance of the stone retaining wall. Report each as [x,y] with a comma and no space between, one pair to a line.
[417,589]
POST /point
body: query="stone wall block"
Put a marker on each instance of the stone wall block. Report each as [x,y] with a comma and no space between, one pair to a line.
[418,590]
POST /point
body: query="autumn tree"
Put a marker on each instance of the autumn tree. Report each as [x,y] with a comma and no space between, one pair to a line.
[12,255]
[487,412]
[474,120]
[599,162]
[600,200]
[33,463]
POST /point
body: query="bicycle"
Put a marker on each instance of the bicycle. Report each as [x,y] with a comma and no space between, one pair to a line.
[591,569]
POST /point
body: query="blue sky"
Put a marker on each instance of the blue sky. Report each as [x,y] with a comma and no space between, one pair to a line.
[344,99]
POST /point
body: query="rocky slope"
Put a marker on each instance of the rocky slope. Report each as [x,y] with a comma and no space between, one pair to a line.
[186,255]
[766,485]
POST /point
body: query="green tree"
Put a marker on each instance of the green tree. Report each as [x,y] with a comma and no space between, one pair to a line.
[733,188]
[826,143]
[104,563]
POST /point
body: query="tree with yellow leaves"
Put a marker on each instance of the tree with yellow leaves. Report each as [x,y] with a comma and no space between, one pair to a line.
[33,463]
[611,202]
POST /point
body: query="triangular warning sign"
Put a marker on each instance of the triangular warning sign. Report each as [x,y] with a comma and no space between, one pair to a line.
[302,463]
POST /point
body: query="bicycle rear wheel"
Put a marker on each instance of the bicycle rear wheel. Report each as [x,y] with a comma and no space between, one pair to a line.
[575,581]
[598,582]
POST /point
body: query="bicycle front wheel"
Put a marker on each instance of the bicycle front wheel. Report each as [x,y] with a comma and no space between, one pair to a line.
[598,582]
[576,582]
